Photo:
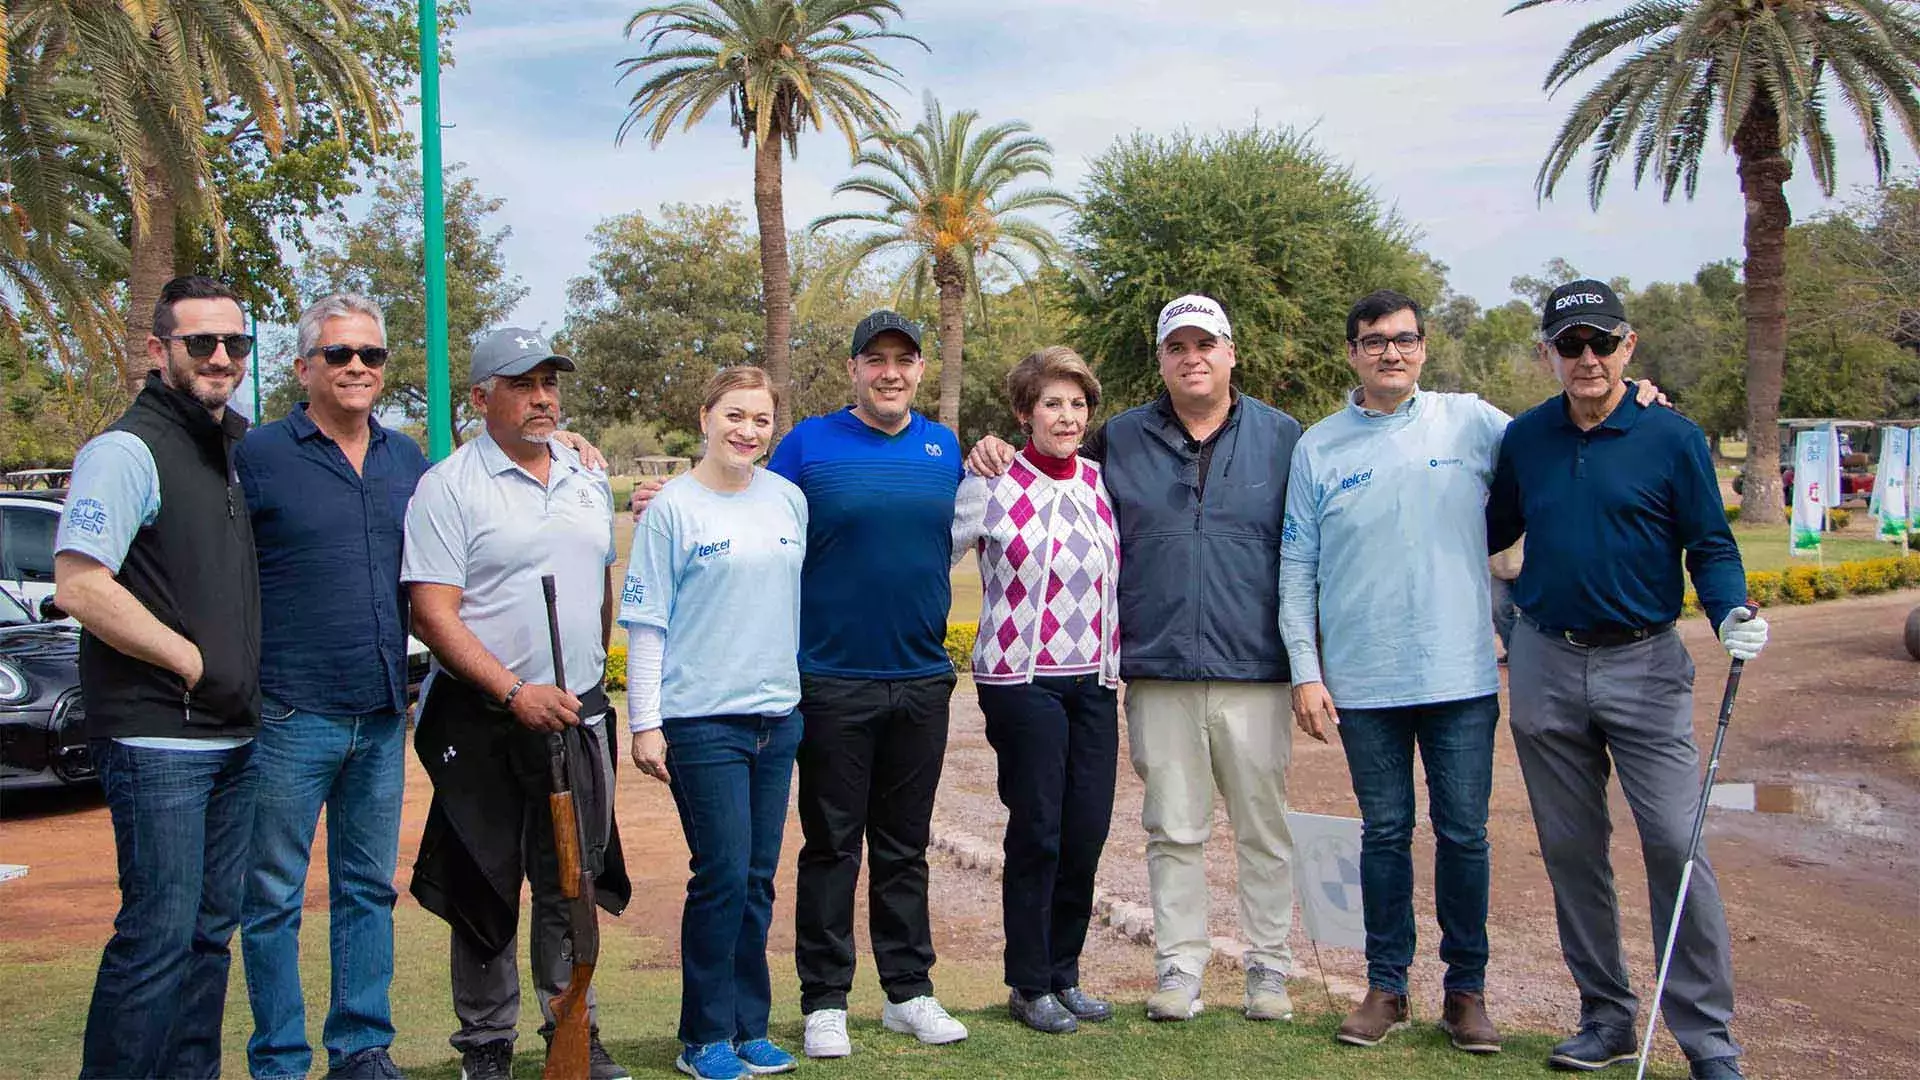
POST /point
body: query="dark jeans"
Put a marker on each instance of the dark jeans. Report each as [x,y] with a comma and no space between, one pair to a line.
[1456,746]
[1058,743]
[355,767]
[180,831]
[869,766]
[731,776]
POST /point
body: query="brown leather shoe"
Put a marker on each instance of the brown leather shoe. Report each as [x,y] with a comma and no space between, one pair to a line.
[1376,1016]
[1464,1019]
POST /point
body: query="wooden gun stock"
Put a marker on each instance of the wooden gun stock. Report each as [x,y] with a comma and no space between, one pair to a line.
[569,1053]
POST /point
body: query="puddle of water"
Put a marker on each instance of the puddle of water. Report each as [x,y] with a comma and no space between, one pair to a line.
[1845,808]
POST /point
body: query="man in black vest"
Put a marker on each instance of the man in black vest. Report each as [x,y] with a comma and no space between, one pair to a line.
[155,559]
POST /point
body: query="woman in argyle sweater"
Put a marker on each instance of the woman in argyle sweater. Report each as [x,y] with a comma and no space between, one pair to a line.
[1046,663]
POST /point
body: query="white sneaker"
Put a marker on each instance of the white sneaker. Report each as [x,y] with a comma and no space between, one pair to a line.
[827,1034]
[924,1019]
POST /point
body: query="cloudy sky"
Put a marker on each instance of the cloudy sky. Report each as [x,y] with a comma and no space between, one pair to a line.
[1437,104]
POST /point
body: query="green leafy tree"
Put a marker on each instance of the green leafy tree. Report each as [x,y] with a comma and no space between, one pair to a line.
[1260,219]
[382,256]
[159,72]
[1765,73]
[781,66]
[949,198]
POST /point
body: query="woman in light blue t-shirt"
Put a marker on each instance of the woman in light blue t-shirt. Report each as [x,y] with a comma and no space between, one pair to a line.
[712,611]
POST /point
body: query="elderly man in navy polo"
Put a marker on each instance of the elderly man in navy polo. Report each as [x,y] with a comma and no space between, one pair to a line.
[1612,495]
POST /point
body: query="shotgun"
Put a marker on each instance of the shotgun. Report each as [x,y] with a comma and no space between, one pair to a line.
[569,1053]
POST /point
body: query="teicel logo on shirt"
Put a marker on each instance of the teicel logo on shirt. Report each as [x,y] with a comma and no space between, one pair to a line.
[705,551]
[1443,462]
[1348,483]
[88,515]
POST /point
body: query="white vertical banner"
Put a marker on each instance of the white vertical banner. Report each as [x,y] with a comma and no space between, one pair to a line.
[1833,489]
[1811,451]
[1913,480]
[1326,878]
[1890,492]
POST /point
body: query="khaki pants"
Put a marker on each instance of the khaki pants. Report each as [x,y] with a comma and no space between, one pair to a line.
[1186,739]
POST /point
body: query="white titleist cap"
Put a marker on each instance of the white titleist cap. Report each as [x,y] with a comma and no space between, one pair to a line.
[1192,310]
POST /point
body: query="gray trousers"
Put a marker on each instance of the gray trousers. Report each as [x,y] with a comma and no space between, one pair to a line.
[1577,715]
[486,989]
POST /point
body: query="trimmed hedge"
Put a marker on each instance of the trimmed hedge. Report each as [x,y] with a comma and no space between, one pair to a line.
[616,677]
[1795,585]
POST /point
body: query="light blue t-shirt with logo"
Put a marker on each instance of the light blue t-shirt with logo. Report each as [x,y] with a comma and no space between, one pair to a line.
[719,574]
[1384,553]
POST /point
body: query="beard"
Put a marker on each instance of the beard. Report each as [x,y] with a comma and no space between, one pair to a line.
[183,374]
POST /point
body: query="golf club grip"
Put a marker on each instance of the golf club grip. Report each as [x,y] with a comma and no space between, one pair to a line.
[553,630]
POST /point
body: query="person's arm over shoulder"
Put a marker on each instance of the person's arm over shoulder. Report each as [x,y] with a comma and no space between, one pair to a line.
[1506,518]
[969,515]
[1713,558]
[1300,568]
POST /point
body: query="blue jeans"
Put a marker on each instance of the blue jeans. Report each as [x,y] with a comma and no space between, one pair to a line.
[355,766]
[1456,746]
[730,779]
[180,831]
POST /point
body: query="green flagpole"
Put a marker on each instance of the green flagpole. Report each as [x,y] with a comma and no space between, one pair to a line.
[439,405]
[253,328]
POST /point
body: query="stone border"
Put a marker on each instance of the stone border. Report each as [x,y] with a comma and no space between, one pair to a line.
[1129,921]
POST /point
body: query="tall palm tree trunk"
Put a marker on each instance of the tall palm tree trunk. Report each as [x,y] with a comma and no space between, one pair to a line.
[150,268]
[776,279]
[952,285]
[1764,172]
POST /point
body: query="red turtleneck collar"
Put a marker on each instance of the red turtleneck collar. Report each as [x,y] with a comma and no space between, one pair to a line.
[1060,468]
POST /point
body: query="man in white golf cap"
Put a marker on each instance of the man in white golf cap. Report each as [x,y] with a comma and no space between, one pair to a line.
[484,526]
[1198,479]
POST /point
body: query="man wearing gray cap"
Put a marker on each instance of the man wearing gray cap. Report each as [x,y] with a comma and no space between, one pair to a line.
[483,527]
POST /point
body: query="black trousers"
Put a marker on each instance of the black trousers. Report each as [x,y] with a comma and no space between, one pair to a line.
[1058,741]
[869,766]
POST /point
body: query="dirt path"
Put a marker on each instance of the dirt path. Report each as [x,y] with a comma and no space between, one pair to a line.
[1826,919]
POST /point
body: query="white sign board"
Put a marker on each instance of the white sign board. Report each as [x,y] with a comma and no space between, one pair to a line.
[1326,878]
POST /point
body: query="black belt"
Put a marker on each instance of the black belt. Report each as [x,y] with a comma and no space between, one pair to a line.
[1601,639]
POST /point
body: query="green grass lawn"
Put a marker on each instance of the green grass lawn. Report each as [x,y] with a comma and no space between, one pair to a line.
[45,1002]
[1764,547]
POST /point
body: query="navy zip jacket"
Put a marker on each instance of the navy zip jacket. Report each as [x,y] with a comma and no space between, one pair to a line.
[1199,541]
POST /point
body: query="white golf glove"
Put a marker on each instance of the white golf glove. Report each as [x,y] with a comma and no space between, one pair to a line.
[1743,634]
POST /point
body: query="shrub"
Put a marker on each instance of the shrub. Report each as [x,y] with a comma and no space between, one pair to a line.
[1733,514]
[1839,519]
[616,674]
[1763,587]
[1797,585]
[960,637]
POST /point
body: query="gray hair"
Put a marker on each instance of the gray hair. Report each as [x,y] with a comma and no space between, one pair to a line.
[336,306]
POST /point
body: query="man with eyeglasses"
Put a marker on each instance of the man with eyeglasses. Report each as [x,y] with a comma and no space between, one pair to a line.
[155,559]
[1613,496]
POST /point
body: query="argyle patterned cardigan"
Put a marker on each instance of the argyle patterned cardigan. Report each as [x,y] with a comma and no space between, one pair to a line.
[1049,562]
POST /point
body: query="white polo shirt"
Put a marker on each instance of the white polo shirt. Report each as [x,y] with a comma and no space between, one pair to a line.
[484,524]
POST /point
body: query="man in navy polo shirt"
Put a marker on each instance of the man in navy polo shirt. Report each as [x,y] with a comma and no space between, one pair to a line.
[1611,495]
[880,480]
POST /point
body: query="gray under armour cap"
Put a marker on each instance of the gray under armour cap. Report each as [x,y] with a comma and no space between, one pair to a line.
[512,351]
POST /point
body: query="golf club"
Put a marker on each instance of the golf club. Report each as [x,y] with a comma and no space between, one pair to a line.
[1693,853]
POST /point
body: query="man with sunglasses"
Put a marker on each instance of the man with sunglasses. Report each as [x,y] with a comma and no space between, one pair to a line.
[155,559]
[1612,495]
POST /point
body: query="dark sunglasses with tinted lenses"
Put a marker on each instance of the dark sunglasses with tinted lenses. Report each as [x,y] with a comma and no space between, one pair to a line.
[341,355]
[1570,346]
[201,346]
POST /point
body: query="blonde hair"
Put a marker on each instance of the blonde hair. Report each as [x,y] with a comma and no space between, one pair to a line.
[739,377]
[1053,363]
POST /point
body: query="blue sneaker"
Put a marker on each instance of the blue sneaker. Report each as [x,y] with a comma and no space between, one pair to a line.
[764,1058]
[714,1061]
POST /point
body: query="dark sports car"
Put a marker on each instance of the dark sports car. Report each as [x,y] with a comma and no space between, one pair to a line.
[43,739]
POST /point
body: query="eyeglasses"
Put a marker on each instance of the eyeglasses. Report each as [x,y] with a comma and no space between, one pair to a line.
[1376,344]
[201,346]
[1570,346]
[373,356]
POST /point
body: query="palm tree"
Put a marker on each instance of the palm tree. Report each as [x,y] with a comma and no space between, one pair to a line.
[1765,71]
[780,65]
[945,186]
[157,69]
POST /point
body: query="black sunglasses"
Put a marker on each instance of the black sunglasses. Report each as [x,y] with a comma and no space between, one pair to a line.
[1570,346]
[341,355]
[201,346]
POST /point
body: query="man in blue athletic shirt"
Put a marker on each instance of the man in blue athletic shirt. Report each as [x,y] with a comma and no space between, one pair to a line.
[874,681]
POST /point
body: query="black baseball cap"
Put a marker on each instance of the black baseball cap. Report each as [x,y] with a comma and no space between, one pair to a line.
[1582,303]
[879,323]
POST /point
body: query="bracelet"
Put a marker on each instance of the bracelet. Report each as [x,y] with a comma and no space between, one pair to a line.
[508,700]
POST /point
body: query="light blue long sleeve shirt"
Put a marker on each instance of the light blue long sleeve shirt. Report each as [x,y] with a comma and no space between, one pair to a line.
[1383,556]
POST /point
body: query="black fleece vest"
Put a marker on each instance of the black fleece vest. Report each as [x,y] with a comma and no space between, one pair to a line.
[194,569]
